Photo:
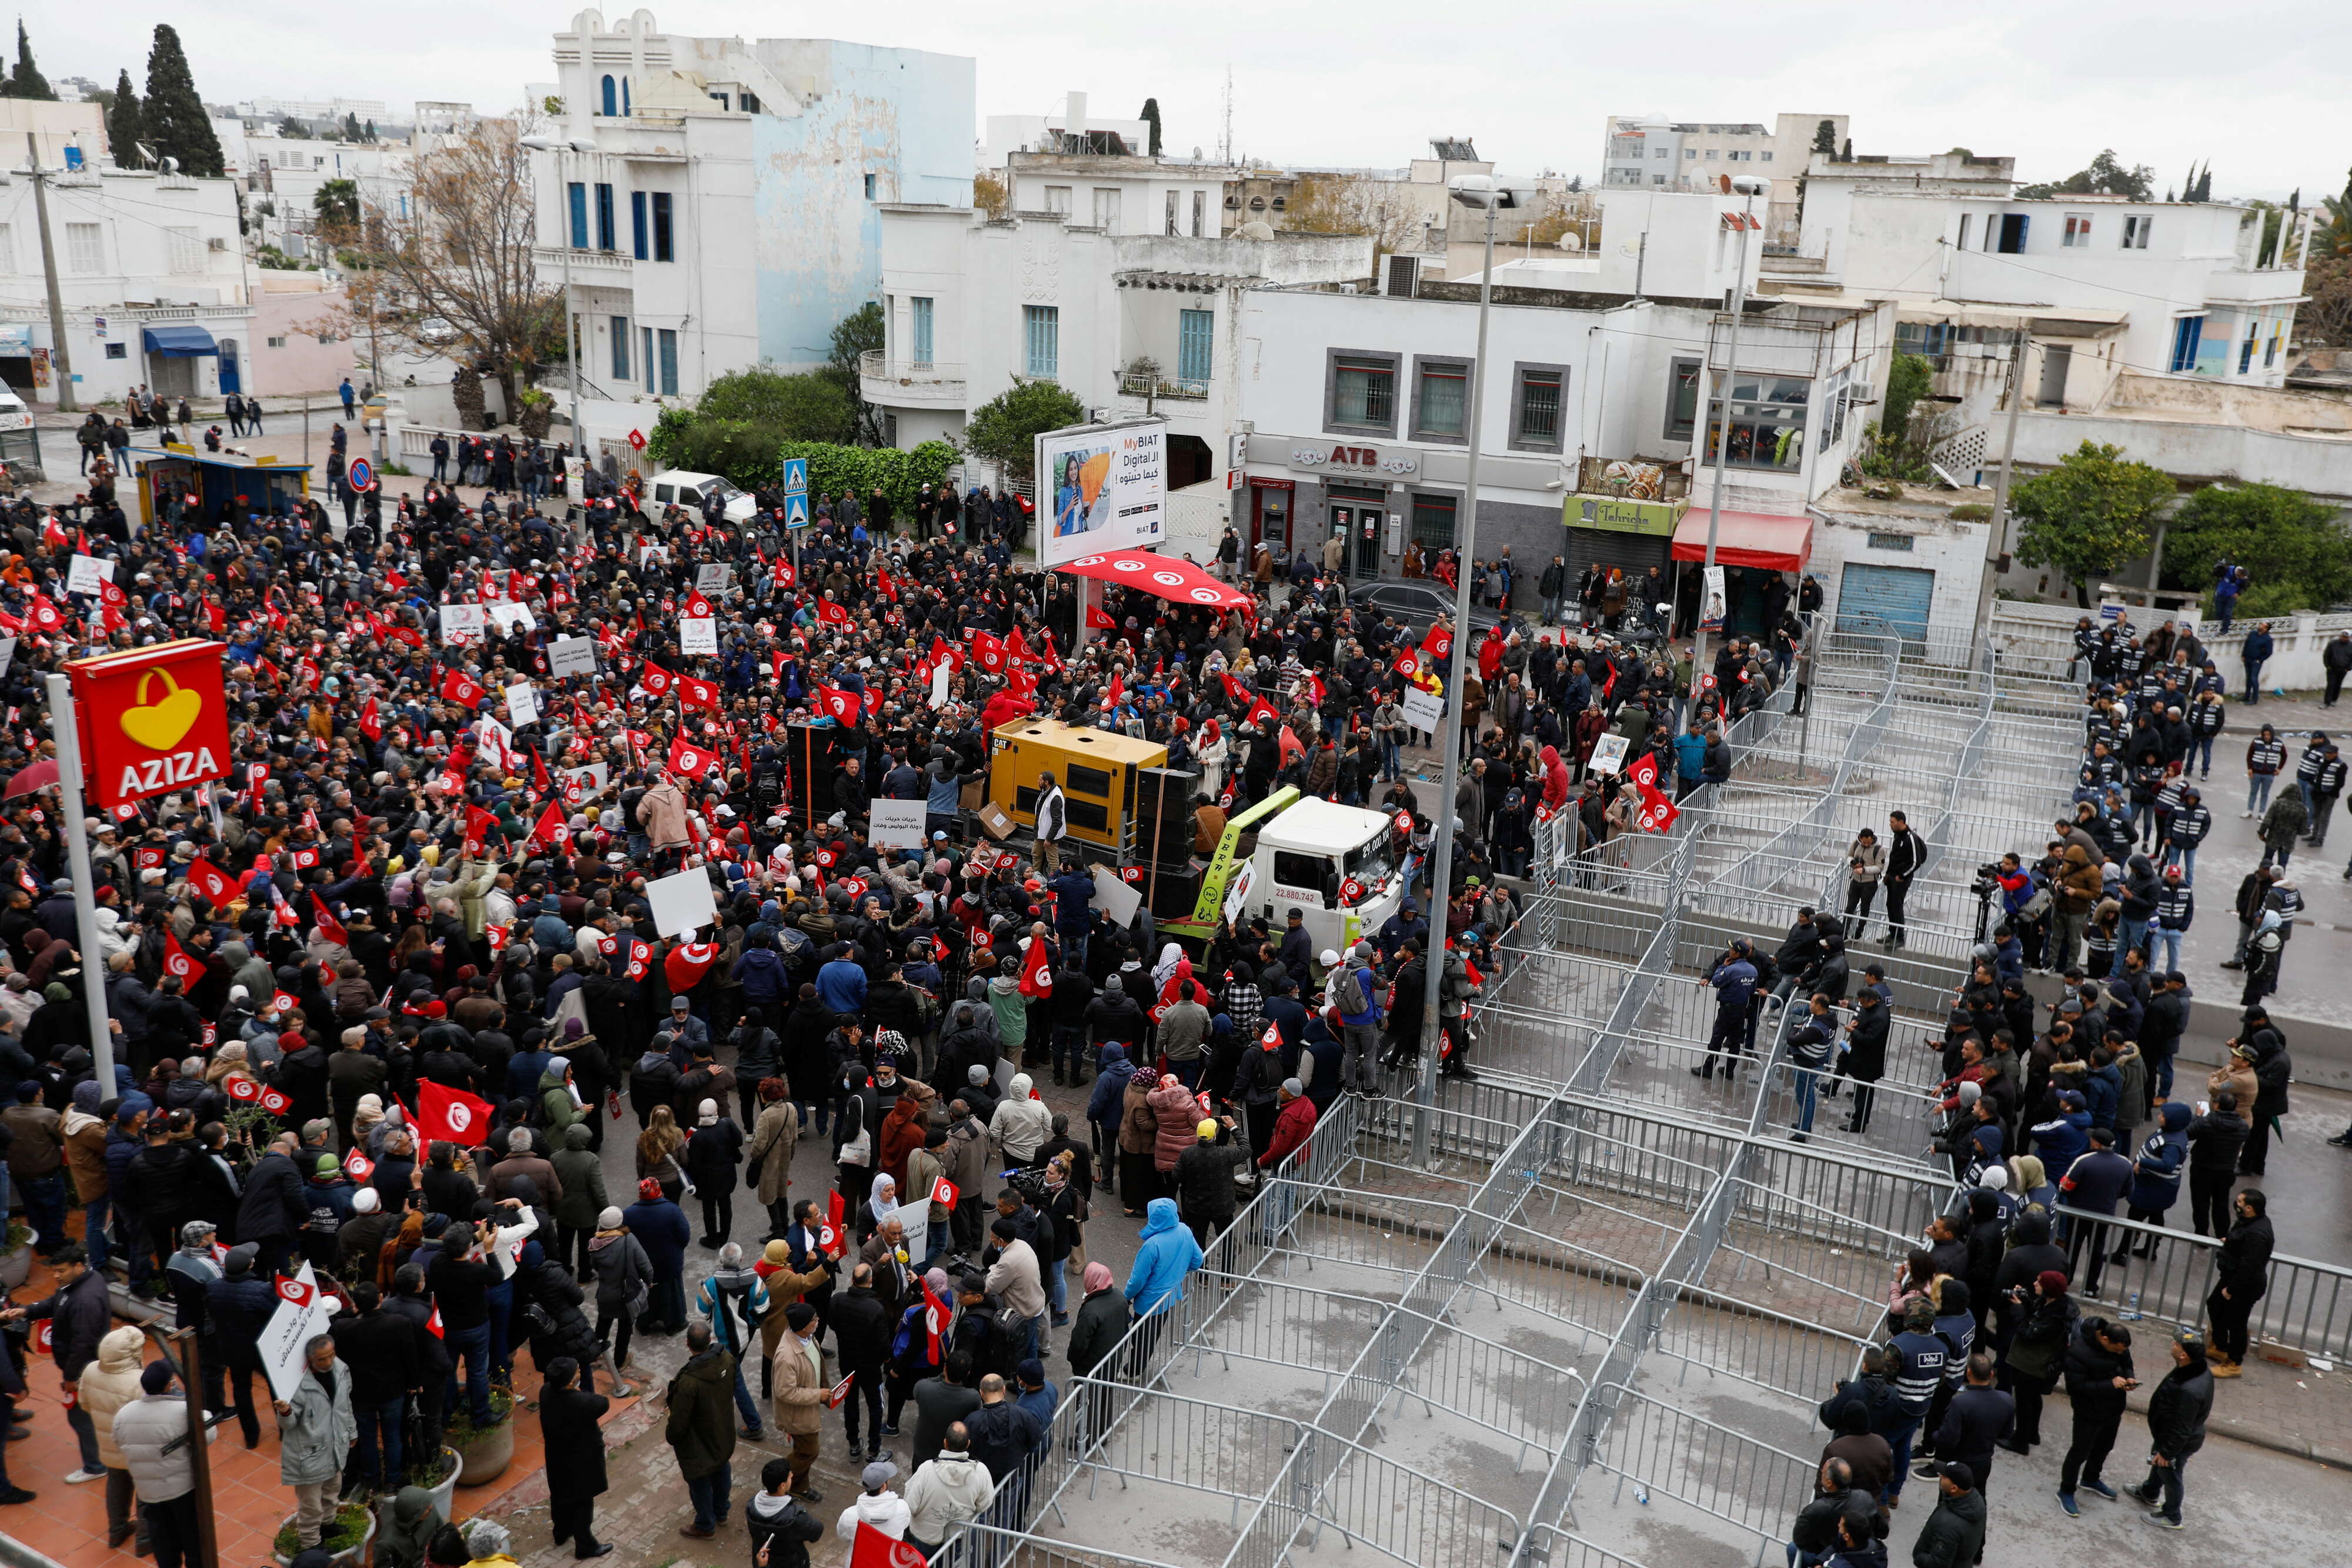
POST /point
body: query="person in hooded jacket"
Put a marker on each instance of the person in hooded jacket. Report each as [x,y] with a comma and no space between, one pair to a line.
[1165,1256]
[2045,1316]
[2156,1176]
[1103,1112]
[2177,1413]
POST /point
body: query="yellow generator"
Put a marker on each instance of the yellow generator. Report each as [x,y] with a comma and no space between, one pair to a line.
[1108,780]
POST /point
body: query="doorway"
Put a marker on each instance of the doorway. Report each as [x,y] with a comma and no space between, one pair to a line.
[1356,519]
[172,375]
[231,379]
[2056,360]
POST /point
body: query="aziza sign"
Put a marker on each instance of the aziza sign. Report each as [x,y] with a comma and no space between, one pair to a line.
[1333,458]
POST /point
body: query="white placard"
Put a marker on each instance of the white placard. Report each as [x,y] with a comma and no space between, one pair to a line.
[1237,894]
[461,623]
[939,673]
[522,704]
[682,903]
[8,653]
[292,1329]
[1423,709]
[510,615]
[572,656]
[1114,897]
[1608,754]
[87,574]
[896,824]
[697,636]
[713,576]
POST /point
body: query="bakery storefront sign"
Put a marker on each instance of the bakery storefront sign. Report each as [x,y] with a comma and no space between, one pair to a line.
[153,721]
[1345,457]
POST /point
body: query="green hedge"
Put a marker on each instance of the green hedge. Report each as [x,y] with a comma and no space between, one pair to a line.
[749,456]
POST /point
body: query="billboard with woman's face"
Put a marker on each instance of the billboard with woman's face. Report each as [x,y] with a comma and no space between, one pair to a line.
[1101,489]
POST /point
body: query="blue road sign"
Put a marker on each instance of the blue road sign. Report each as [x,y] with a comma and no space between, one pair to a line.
[796,483]
[796,512]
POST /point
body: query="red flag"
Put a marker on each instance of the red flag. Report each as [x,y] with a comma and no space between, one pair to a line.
[451,1115]
[178,960]
[479,824]
[1438,645]
[1099,619]
[990,650]
[936,1317]
[882,580]
[328,924]
[692,761]
[462,688]
[872,1549]
[211,881]
[785,576]
[215,618]
[940,649]
[697,607]
[692,693]
[828,1234]
[1408,665]
[1036,969]
[687,964]
[654,679]
[945,1191]
[549,831]
[294,1291]
[832,614]
[641,959]
[1234,690]
[840,706]
[1260,710]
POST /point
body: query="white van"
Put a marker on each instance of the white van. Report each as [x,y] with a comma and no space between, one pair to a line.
[684,487]
[1307,855]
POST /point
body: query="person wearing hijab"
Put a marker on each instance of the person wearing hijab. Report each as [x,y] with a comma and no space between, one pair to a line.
[713,1155]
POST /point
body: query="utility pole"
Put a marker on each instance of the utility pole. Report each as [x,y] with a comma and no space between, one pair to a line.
[60,357]
[1997,537]
[1722,450]
[1440,851]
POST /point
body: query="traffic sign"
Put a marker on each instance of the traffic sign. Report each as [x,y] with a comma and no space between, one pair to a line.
[796,476]
[796,512]
[360,475]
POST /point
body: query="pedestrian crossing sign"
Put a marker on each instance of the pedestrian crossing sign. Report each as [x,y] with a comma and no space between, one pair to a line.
[796,512]
[796,478]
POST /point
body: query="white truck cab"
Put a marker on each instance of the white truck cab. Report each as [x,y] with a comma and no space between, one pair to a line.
[1334,864]
[684,487]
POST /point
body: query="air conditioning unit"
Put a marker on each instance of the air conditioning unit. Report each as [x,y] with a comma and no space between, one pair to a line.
[217,242]
[1404,276]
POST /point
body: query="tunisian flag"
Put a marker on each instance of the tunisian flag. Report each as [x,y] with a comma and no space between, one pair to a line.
[462,688]
[178,960]
[692,693]
[1036,969]
[840,706]
[832,614]
[211,881]
[451,1115]
[329,926]
[690,761]
[686,964]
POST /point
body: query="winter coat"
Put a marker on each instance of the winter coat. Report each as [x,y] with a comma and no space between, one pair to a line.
[773,1138]
[317,1434]
[662,813]
[110,1382]
[2177,1410]
[948,1490]
[1166,1255]
[700,1429]
[141,1430]
[580,1175]
[1102,1318]
[1953,1533]
[1176,1120]
[2156,1172]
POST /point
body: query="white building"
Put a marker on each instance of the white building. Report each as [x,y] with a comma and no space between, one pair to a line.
[152,279]
[1129,320]
[729,215]
[282,175]
[1689,155]
[1597,434]
[1067,130]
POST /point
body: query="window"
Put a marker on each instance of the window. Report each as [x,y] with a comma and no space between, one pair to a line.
[1892,541]
[1041,329]
[1534,408]
[85,247]
[668,362]
[2078,231]
[1690,153]
[578,194]
[749,102]
[187,251]
[1107,209]
[1768,421]
[2187,334]
[1057,199]
[603,216]
[1713,153]
[1362,393]
[2246,350]
[921,315]
[624,96]
[717,97]
[1764,157]
[1195,339]
[1190,461]
[1658,179]
[1966,219]
[612,98]
[1171,212]
[869,187]
[1441,399]
[640,238]
[1307,873]
[275,342]
[2271,349]
[1682,399]
[1200,211]
[1663,151]
[1433,522]
[2012,233]
[663,229]
[123,351]
[620,348]
[2136,226]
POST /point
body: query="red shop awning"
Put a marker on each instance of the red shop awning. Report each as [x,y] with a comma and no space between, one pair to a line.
[1746,539]
[1176,580]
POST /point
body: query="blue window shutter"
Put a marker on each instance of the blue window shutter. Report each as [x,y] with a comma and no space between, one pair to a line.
[578,194]
[922,324]
[611,104]
[637,225]
[1196,335]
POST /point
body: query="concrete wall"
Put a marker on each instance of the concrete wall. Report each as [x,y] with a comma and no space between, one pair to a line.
[2319,464]
[304,364]
[1954,551]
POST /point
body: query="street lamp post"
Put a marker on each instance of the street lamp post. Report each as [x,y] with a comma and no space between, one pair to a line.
[1472,191]
[572,344]
[1747,186]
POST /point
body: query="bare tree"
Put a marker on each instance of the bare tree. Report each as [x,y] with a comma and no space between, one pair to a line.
[451,274]
[1353,204]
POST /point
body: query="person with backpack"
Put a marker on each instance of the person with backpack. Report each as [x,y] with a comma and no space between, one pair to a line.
[1354,990]
[735,1300]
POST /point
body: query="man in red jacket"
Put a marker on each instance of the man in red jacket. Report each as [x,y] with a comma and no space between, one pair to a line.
[1293,1124]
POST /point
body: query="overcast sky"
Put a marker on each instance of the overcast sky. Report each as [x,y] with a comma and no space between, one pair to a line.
[2257,86]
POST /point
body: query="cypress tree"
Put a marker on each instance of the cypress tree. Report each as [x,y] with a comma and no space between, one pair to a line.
[28,81]
[124,126]
[176,123]
[1151,115]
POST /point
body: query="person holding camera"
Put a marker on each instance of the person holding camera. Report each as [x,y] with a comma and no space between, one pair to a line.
[1865,863]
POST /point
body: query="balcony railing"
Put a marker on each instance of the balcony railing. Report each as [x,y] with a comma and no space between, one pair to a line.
[1158,387]
[877,366]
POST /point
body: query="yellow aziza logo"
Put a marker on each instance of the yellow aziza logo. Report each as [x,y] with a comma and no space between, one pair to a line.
[159,727]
